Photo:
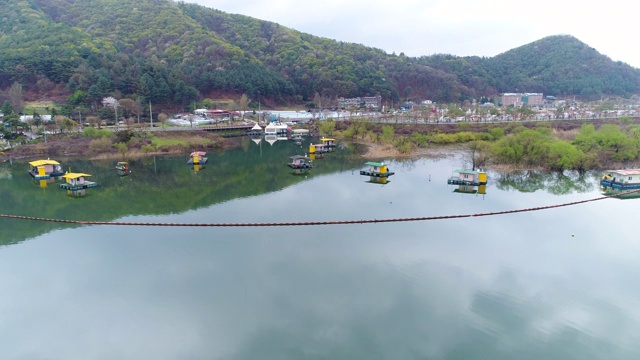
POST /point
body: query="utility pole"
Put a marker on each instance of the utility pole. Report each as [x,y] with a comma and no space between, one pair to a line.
[151,115]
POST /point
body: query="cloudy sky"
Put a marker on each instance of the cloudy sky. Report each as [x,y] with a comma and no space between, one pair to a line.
[463,27]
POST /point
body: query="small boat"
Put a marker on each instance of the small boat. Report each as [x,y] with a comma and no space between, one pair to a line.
[45,169]
[468,177]
[621,179]
[197,158]
[376,169]
[122,167]
[300,162]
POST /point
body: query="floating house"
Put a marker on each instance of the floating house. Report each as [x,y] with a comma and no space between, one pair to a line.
[300,162]
[45,169]
[274,128]
[468,177]
[328,142]
[256,130]
[621,179]
[197,158]
[76,181]
[318,149]
[376,169]
[270,129]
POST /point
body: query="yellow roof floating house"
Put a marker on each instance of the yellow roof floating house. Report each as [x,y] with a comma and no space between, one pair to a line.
[329,142]
[76,181]
[44,169]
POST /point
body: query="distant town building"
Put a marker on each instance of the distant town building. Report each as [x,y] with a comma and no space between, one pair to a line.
[519,99]
[369,102]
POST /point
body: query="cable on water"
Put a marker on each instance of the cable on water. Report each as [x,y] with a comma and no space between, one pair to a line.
[313,223]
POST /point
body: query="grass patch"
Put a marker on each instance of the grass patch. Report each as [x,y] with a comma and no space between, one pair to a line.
[41,107]
[167,142]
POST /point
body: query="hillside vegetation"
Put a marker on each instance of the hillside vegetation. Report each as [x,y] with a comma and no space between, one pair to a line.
[177,53]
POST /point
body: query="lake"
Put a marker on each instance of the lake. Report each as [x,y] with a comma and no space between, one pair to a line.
[559,283]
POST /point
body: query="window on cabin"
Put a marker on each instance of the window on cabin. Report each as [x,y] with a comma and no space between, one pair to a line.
[630,177]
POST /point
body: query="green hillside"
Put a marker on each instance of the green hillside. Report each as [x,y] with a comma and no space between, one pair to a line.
[177,53]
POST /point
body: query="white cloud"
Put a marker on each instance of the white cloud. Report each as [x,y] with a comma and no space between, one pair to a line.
[462,28]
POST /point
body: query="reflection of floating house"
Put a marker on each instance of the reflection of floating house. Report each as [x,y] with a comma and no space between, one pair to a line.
[300,171]
[271,139]
[197,158]
[300,162]
[44,169]
[621,179]
[328,142]
[471,189]
[378,180]
[300,132]
[376,169]
[122,167]
[76,181]
[468,177]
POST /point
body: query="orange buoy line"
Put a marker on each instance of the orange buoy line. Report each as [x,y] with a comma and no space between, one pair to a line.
[312,223]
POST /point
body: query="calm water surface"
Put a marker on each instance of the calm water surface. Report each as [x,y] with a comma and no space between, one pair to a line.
[551,284]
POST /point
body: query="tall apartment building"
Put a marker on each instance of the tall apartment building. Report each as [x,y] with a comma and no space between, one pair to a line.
[519,99]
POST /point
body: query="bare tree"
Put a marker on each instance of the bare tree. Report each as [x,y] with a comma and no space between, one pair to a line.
[59,121]
[15,97]
[242,104]
[162,117]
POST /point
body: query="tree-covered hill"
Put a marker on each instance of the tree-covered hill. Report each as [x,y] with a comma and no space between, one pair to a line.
[177,53]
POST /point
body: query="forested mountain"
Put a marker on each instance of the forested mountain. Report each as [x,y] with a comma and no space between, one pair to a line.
[178,53]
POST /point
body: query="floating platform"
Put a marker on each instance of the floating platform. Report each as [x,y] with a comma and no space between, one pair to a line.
[458,181]
[85,185]
[376,174]
[619,186]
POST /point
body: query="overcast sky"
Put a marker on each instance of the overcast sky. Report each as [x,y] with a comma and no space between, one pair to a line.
[463,27]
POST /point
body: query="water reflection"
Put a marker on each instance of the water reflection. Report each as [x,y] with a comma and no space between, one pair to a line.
[557,183]
[553,284]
